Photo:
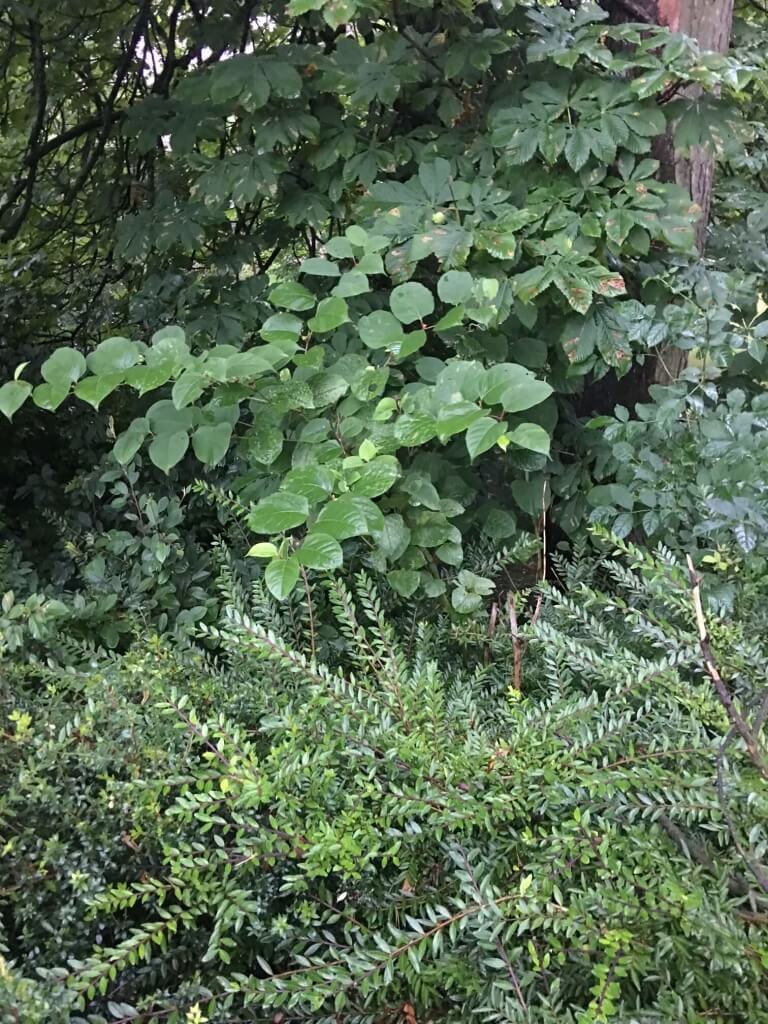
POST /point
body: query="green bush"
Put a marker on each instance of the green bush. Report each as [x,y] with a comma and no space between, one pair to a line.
[255,835]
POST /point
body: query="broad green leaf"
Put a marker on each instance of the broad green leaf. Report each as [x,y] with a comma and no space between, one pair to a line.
[513,388]
[352,283]
[281,576]
[50,396]
[455,287]
[279,512]
[380,329]
[435,178]
[327,389]
[611,494]
[281,327]
[211,443]
[64,367]
[294,296]
[577,148]
[358,236]
[411,301]
[187,388]
[450,553]
[376,477]
[320,551]
[483,434]
[404,581]
[167,450]
[168,344]
[349,516]
[451,319]
[165,418]
[314,483]
[409,343]
[416,429]
[13,394]
[393,539]
[339,248]
[148,378]
[263,442]
[94,390]
[370,263]
[130,441]
[454,418]
[330,314]
[264,549]
[531,436]
[112,355]
[320,267]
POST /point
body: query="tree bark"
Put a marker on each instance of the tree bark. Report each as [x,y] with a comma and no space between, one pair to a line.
[709,23]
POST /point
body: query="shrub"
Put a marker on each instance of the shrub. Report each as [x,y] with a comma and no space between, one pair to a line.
[405,834]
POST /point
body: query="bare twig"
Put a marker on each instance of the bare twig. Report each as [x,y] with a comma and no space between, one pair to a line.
[734,715]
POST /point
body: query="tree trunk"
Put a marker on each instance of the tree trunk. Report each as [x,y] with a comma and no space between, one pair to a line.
[709,23]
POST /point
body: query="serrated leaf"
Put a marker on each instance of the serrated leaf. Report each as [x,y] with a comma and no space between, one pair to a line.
[577,148]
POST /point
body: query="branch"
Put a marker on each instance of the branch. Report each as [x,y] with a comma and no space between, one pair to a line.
[735,717]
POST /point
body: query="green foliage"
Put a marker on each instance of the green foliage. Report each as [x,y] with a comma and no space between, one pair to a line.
[446,278]
[690,471]
[400,826]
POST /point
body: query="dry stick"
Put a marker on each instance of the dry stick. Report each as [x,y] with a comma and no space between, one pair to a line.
[517,669]
[310,609]
[540,598]
[721,689]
